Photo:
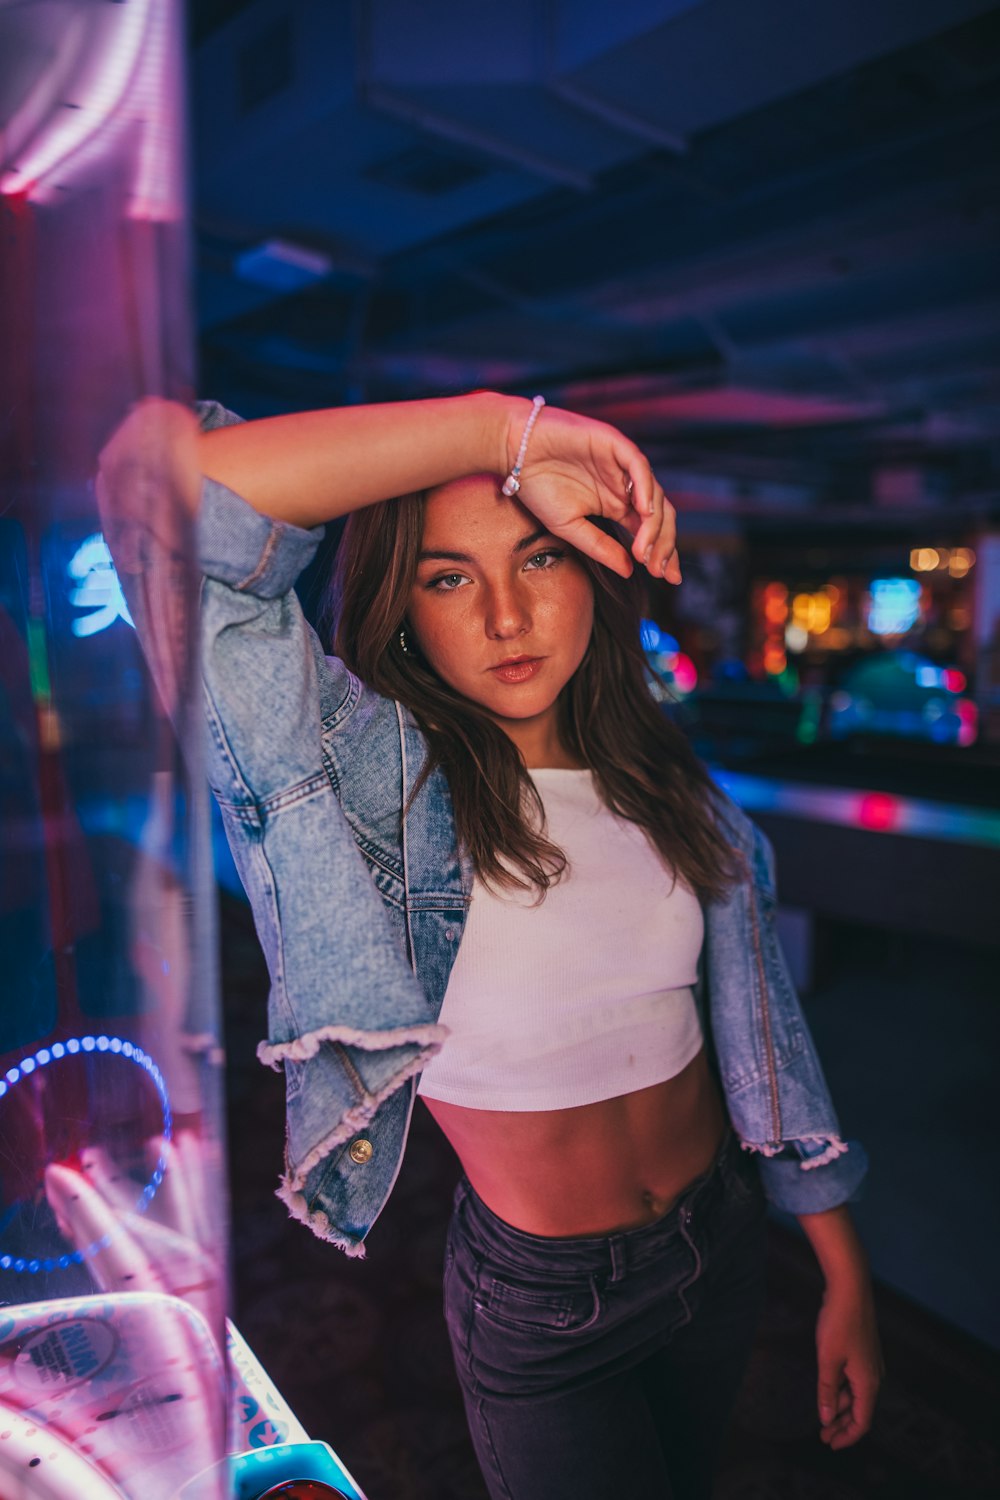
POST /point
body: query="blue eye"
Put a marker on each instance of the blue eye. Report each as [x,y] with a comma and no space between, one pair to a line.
[446,583]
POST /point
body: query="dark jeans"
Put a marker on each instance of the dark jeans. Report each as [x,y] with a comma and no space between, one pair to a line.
[606,1367]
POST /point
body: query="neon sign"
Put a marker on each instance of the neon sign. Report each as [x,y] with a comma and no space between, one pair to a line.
[95,587]
[895,605]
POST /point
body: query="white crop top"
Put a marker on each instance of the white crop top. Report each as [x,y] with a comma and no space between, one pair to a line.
[584,996]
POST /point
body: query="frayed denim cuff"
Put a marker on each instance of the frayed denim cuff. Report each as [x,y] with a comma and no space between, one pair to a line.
[811,1191]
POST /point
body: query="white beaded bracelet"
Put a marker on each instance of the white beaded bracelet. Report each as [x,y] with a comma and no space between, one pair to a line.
[512,483]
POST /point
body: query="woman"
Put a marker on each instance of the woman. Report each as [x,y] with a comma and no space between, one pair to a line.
[482,755]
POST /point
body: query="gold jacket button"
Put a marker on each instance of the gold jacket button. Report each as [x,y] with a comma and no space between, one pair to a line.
[361,1151]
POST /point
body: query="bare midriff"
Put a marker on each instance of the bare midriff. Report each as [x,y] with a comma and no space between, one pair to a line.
[595,1168]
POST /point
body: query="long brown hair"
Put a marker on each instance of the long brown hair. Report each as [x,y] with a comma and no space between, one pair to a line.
[643,766]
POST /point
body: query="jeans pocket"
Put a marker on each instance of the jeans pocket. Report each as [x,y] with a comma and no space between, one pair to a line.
[567,1307]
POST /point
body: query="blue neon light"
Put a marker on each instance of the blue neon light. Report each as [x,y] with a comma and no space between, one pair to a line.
[848,807]
[43,1058]
[95,586]
[655,639]
[895,605]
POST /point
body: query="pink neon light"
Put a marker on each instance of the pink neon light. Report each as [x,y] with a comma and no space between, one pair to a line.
[100,67]
[685,673]
[878,811]
[954,680]
[968,722]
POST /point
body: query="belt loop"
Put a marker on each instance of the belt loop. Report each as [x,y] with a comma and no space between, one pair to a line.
[616,1245]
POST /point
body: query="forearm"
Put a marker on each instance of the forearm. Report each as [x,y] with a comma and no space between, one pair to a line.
[309,467]
[849,1363]
[837,1246]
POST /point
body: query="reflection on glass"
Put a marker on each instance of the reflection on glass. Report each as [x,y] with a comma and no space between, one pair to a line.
[113,1375]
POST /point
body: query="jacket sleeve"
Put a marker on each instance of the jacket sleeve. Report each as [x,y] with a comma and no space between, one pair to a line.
[267,689]
[325,933]
[775,1088]
[812,1173]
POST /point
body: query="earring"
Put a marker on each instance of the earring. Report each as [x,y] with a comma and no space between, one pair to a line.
[404,644]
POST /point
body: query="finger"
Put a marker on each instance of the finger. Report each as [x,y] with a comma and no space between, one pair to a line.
[827,1391]
[839,1420]
[661,566]
[651,527]
[632,523]
[845,1436]
[851,1426]
[863,1403]
[842,1426]
[663,561]
[633,462]
[586,537]
[630,494]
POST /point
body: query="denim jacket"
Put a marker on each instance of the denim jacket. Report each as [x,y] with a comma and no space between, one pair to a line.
[360,910]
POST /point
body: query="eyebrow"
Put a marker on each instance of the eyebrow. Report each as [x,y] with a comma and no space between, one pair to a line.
[463,557]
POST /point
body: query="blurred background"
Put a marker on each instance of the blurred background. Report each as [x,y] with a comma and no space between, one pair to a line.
[762,238]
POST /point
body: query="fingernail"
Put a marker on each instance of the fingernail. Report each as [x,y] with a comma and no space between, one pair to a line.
[647,554]
[826,1412]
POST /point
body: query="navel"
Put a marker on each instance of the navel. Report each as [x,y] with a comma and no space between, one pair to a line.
[657,1204]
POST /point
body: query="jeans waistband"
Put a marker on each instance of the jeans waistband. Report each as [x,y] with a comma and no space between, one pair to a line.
[604,1251]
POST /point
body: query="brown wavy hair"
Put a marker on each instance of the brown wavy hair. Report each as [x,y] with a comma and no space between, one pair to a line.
[643,766]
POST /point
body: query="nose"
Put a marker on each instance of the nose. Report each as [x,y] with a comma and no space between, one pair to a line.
[507,612]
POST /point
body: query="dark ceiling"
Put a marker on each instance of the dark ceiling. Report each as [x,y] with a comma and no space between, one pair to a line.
[761,236]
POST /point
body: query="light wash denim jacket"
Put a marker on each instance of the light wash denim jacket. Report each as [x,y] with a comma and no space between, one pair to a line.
[360,911]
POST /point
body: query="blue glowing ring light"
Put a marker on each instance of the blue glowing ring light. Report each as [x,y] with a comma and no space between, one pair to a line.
[72,1048]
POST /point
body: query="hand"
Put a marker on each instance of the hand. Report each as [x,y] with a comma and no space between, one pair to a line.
[148,491]
[576,468]
[148,481]
[849,1359]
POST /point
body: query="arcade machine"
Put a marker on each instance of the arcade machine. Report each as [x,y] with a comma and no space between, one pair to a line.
[120,1377]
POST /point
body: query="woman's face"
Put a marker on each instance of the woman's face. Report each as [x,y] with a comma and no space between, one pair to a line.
[499,608]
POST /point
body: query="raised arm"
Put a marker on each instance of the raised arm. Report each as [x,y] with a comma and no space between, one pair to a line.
[308,467]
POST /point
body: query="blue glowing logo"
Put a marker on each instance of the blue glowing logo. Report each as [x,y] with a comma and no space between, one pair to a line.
[895,605]
[95,587]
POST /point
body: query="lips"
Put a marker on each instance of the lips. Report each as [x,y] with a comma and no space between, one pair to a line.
[517,668]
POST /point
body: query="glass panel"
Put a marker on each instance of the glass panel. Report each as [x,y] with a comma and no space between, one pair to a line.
[112,1189]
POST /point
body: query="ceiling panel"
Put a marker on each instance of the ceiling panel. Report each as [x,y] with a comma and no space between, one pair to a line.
[762,219]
